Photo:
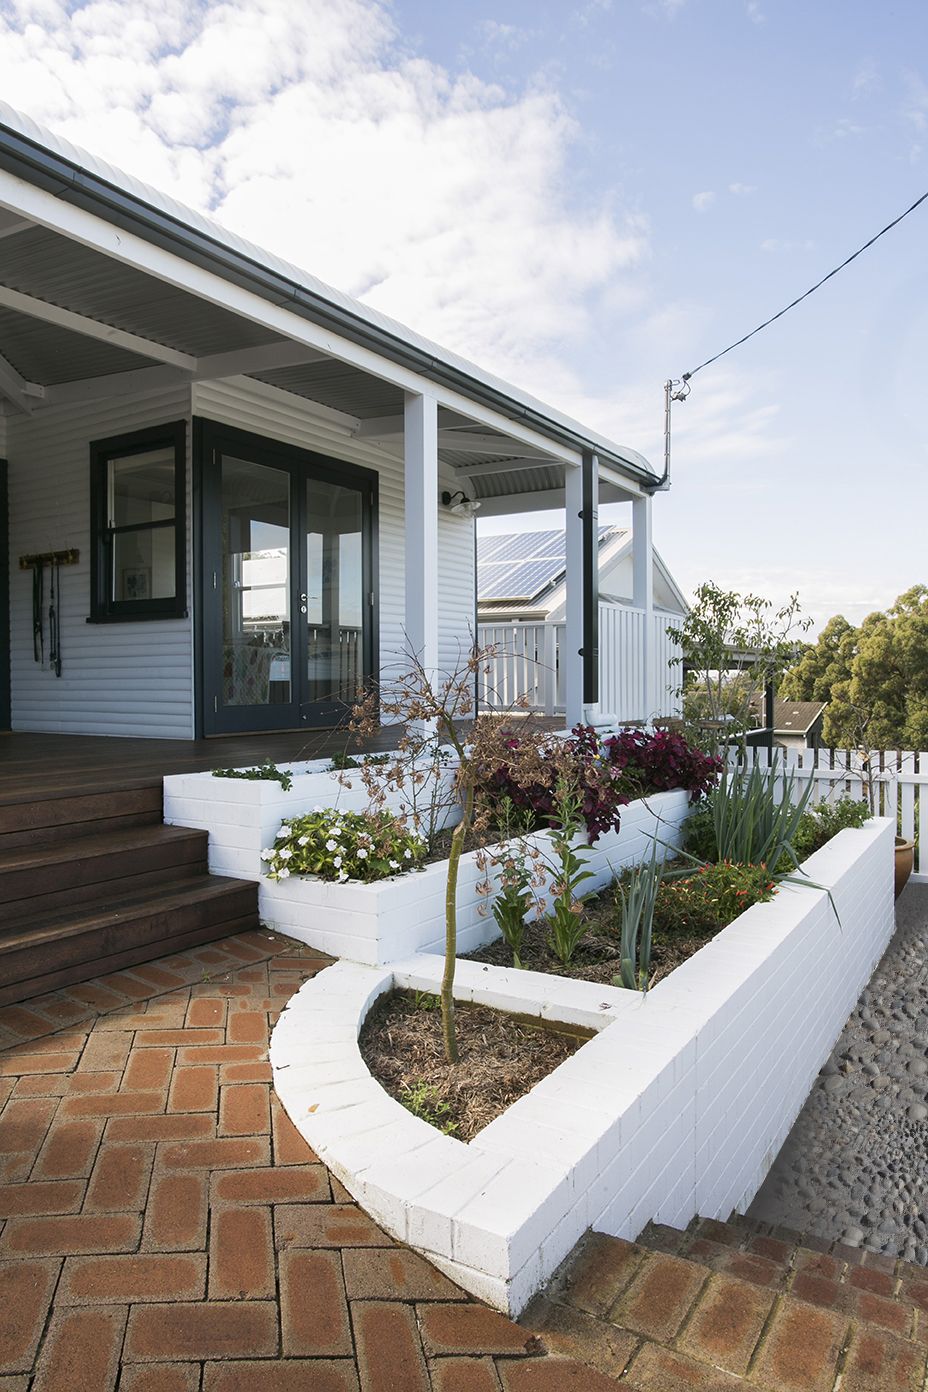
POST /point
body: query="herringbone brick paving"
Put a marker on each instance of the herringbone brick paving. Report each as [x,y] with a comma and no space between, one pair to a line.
[164,1228]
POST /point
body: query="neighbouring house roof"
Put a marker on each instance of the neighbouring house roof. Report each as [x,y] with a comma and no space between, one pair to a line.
[792,717]
[521,567]
[523,573]
[111,289]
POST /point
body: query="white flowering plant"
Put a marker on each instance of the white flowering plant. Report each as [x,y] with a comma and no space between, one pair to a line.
[343,846]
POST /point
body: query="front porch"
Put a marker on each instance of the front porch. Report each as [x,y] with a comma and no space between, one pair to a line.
[261,489]
[48,766]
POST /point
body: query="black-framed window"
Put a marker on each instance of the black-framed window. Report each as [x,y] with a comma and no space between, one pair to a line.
[138,510]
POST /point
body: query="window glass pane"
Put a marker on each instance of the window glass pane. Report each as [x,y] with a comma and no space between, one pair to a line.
[256,582]
[335,593]
[143,564]
[141,488]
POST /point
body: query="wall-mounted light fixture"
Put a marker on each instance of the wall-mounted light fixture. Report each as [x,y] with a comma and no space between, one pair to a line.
[460,504]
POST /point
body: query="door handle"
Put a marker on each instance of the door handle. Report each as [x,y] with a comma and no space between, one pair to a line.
[303,604]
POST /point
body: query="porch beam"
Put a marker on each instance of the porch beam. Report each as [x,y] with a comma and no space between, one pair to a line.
[24,396]
[381,428]
[612,477]
[488,444]
[267,357]
[12,228]
[504,466]
[421,522]
[211,368]
[92,328]
[540,500]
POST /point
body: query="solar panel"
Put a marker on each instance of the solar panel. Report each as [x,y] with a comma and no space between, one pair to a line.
[503,580]
[518,565]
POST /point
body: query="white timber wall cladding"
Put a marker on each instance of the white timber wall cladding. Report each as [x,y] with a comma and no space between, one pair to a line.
[117,679]
[280,415]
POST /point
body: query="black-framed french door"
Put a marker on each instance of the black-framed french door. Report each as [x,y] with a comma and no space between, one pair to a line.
[287,599]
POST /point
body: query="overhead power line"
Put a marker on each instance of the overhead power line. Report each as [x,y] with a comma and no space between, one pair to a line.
[817,286]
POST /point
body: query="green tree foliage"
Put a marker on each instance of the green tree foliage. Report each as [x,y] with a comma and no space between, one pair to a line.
[874,678]
[822,664]
[732,645]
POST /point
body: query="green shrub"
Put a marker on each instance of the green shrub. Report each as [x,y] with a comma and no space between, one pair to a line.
[636,894]
[343,846]
[820,823]
[700,904]
[751,818]
[268,770]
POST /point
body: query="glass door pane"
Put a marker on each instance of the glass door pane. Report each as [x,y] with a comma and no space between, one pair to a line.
[256,646]
[334,597]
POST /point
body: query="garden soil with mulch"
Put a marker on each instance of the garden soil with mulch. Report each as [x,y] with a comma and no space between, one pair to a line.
[501,1058]
[597,957]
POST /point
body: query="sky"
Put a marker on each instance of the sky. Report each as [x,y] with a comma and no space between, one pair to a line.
[586,199]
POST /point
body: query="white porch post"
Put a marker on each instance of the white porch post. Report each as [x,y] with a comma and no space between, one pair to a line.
[421,510]
[572,652]
[643,595]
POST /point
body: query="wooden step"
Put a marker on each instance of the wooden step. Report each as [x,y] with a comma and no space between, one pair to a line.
[32,814]
[85,865]
[57,949]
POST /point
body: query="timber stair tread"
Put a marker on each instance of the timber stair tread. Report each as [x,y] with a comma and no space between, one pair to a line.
[178,893]
[93,881]
[107,845]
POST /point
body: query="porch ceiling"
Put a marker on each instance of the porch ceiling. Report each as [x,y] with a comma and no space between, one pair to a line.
[160,329]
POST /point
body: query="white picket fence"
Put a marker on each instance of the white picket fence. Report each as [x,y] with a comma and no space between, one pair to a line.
[899,778]
[526,665]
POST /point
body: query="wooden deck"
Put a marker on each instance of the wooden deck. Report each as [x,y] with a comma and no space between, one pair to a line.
[40,764]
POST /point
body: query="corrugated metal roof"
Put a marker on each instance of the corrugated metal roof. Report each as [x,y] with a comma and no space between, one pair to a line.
[75,185]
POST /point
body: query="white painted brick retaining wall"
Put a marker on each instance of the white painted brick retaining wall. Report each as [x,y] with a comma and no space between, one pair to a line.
[677,1106]
[243,815]
[394,918]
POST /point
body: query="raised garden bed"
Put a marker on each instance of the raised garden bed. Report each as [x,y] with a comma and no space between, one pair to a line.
[676,1106]
[242,815]
[391,919]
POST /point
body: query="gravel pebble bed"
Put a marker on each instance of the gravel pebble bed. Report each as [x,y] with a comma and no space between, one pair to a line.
[854,1168]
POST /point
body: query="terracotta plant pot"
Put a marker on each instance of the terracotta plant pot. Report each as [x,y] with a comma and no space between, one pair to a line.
[905,859]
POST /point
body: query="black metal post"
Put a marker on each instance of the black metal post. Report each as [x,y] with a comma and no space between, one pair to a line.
[590,518]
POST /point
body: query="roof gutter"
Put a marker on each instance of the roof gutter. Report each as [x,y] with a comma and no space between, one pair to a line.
[67,180]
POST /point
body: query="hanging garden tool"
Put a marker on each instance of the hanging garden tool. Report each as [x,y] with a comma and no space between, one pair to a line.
[38,606]
[36,562]
[54,623]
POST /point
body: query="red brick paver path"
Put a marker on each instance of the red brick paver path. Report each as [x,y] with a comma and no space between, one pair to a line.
[164,1228]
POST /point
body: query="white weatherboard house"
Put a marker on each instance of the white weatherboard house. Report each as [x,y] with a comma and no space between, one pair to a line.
[251,482]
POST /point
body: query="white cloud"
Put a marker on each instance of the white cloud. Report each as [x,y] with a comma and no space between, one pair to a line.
[740,189]
[704,200]
[441,199]
[754,12]
[310,130]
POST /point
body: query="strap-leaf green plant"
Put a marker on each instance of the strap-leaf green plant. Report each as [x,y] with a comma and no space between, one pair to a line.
[637,897]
